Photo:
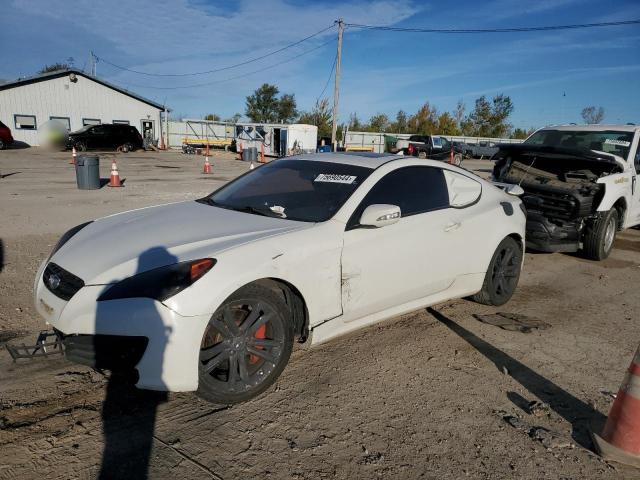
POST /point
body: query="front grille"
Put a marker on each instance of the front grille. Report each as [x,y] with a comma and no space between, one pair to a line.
[110,352]
[553,205]
[61,283]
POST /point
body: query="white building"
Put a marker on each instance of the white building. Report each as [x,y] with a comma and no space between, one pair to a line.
[75,99]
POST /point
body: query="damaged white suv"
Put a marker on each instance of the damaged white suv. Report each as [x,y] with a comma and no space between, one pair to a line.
[580,184]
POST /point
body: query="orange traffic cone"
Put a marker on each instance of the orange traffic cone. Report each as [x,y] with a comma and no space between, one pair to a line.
[239,151]
[114,181]
[262,153]
[207,166]
[452,160]
[252,166]
[620,438]
[73,156]
[206,153]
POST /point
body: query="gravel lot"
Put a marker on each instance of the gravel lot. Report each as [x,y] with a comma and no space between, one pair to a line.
[435,394]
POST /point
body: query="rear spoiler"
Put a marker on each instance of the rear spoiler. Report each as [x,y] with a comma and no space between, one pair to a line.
[510,188]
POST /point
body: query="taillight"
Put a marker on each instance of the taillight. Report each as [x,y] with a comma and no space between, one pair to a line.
[411,149]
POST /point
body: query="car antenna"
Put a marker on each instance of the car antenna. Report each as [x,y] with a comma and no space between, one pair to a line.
[527,171]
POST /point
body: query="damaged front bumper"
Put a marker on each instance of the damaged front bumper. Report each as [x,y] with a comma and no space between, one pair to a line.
[544,235]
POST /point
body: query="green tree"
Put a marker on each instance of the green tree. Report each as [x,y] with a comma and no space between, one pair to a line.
[212,117]
[592,115]
[424,121]
[400,125]
[447,124]
[265,106]
[287,110]
[320,116]
[378,123]
[489,119]
[521,133]
[354,123]
[234,118]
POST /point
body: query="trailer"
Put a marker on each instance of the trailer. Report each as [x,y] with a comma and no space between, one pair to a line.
[277,139]
[200,133]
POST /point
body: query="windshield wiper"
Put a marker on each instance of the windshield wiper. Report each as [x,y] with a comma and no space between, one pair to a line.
[257,211]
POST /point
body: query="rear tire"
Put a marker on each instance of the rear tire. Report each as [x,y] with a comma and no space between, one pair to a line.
[81,147]
[600,236]
[502,276]
[422,154]
[2,144]
[246,346]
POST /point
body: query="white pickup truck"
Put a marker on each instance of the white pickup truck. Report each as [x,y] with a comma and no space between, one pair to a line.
[580,185]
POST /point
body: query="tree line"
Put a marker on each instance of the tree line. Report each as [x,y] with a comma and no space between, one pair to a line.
[488,117]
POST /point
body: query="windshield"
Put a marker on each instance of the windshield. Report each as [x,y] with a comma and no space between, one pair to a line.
[83,129]
[608,141]
[299,190]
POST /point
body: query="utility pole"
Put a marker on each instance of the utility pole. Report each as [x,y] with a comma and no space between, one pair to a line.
[336,88]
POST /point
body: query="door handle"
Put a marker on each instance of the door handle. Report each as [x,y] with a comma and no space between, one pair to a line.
[452,226]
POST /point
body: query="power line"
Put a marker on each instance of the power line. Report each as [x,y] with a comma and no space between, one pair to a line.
[237,76]
[494,30]
[335,59]
[229,67]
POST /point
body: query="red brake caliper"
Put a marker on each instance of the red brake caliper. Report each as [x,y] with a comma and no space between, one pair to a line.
[260,333]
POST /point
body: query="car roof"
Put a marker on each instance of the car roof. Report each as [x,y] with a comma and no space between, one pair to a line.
[358,159]
[593,128]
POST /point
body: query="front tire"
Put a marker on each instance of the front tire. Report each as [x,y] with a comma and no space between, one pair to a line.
[246,346]
[457,159]
[502,276]
[2,144]
[600,235]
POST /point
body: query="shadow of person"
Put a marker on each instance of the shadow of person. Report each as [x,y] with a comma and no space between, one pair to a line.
[578,413]
[129,414]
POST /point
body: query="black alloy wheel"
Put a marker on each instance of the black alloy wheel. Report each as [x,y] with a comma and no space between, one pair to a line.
[246,345]
[502,275]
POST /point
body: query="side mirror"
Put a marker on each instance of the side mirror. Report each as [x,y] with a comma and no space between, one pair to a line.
[380,215]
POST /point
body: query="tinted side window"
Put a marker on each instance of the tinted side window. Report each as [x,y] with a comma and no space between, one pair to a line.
[414,189]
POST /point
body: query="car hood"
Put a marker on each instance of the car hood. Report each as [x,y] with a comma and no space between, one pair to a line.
[121,245]
[562,152]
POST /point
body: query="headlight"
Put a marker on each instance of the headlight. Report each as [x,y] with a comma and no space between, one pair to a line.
[66,237]
[160,283]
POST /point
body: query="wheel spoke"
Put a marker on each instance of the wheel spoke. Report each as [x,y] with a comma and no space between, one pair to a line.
[242,363]
[511,272]
[227,318]
[210,352]
[251,318]
[264,354]
[233,369]
[217,360]
[221,328]
[508,255]
[258,323]
[263,342]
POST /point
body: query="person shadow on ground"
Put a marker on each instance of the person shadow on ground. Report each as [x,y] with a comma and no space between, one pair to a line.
[129,414]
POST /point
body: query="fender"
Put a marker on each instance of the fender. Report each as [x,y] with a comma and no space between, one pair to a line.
[616,186]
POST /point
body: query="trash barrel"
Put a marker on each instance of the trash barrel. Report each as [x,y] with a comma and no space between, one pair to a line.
[245,155]
[324,149]
[88,172]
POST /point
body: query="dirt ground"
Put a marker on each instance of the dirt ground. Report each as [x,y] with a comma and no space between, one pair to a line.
[433,395]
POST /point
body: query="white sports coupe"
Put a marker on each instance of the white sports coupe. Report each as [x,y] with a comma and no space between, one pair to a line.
[209,295]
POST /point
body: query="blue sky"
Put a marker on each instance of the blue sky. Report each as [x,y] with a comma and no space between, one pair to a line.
[381,71]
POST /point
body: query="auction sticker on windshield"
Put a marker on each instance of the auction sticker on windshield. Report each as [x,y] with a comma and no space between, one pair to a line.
[335,178]
[621,143]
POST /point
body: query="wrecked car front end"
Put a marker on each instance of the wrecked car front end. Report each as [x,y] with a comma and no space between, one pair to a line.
[563,190]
